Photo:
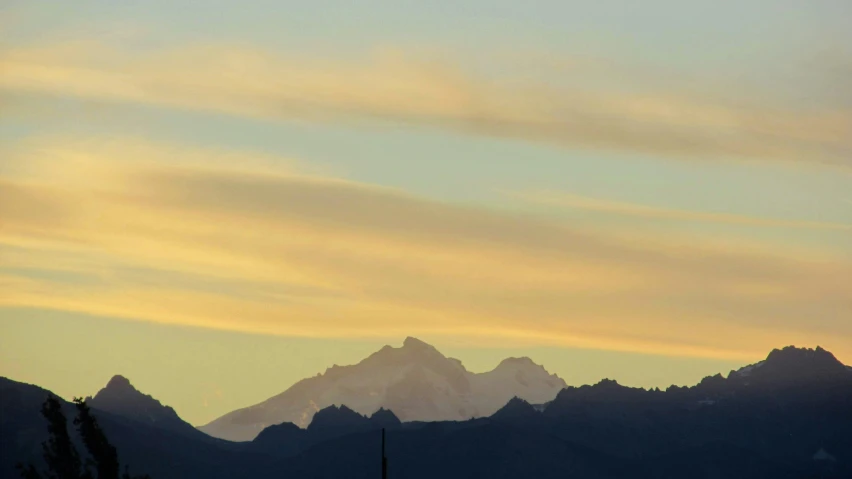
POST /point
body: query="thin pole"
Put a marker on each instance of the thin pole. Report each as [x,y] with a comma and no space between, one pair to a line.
[384,459]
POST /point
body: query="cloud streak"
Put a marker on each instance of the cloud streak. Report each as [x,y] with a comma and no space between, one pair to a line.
[651,212]
[292,253]
[397,87]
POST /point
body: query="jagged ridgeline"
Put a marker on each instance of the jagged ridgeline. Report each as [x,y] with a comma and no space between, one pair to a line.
[416,382]
[786,417]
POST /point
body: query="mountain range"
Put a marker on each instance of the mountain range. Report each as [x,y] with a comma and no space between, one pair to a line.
[415,381]
[787,417]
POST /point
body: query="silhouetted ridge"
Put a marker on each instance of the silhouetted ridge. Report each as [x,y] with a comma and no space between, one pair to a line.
[384,418]
[515,409]
[337,417]
[285,438]
[740,427]
[605,390]
[119,383]
[277,431]
[607,383]
[792,365]
[119,397]
[803,362]
[328,423]
[606,394]
[712,385]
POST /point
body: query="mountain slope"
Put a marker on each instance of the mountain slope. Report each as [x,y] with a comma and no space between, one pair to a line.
[791,419]
[146,448]
[792,366]
[120,398]
[286,439]
[415,381]
[781,411]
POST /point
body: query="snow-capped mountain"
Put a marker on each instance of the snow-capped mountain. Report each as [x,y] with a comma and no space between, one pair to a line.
[416,382]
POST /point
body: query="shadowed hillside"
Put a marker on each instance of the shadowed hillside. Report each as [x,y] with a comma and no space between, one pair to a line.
[787,417]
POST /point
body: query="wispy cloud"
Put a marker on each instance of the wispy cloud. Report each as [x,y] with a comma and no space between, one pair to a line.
[286,252]
[568,200]
[396,86]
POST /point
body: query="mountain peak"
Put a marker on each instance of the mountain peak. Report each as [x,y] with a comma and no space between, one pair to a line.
[521,361]
[803,360]
[336,416]
[414,344]
[608,383]
[119,383]
[119,393]
[414,380]
[385,418]
[792,353]
[792,365]
[121,398]
[414,348]
[516,408]
[412,351]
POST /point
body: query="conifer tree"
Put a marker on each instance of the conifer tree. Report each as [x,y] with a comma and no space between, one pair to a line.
[60,455]
[62,459]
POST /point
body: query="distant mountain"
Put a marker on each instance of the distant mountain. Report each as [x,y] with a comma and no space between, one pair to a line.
[789,374]
[787,417]
[516,410]
[792,366]
[120,398]
[328,423]
[782,410]
[416,382]
[162,453]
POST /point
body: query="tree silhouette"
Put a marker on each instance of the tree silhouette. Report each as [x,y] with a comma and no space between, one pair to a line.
[60,455]
[104,456]
[62,459]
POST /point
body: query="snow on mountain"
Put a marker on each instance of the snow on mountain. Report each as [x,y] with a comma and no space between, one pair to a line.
[747,370]
[416,382]
[516,377]
[793,365]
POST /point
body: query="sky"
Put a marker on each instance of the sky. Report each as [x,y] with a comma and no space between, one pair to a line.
[219,198]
